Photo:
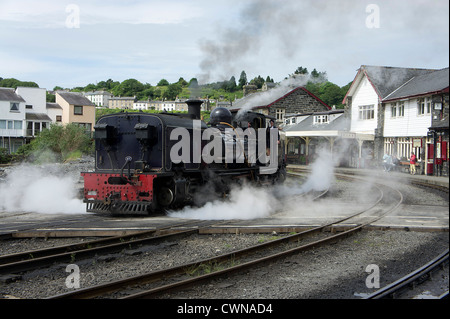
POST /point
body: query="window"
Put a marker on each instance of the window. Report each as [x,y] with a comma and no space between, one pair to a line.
[398,109]
[280,114]
[78,110]
[29,128]
[424,106]
[28,106]
[14,107]
[58,118]
[401,109]
[394,110]
[320,119]
[2,124]
[366,112]
[17,125]
[37,128]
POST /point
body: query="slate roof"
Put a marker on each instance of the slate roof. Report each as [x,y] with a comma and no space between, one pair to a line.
[76,99]
[339,124]
[423,84]
[388,79]
[9,94]
[269,97]
[37,116]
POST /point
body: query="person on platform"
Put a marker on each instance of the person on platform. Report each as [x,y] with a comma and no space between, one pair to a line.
[412,164]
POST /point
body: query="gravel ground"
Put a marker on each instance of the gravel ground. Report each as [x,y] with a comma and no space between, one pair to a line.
[331,272]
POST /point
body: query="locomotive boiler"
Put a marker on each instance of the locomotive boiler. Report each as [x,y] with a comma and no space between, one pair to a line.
[148,163]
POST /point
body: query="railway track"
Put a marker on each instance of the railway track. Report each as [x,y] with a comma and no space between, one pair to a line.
[156,283]
[33,259]
[410,281]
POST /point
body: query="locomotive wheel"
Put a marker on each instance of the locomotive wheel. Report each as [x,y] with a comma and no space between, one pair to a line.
[165,196]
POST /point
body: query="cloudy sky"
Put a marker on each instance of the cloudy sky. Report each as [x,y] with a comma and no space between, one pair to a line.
[74,43]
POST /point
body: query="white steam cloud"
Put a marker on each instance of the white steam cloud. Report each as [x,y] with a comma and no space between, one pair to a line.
[40,189]
[250,202]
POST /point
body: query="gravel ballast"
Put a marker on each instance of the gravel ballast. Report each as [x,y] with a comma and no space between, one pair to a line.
[334,271]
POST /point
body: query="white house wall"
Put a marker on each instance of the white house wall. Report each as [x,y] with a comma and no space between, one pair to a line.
[409,125]
[364,95]
[35,97]
[7,115]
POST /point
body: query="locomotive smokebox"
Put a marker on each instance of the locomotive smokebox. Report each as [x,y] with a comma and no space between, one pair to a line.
[194,108]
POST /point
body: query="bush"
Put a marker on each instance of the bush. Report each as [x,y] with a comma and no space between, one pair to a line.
[58,144]
[4,156]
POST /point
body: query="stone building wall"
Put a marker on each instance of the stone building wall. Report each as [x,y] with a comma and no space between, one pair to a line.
[297,102]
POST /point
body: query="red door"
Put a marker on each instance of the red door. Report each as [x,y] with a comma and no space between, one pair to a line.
[430,156]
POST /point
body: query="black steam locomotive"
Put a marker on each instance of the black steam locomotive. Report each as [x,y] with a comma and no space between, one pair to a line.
[148,163]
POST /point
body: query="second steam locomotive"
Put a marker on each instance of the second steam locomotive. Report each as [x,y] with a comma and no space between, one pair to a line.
[147,163]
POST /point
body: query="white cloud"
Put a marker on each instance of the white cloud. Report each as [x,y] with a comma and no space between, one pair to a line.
[53,14]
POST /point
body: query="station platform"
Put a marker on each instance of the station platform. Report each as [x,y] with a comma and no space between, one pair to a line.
[420,217]
[435,180]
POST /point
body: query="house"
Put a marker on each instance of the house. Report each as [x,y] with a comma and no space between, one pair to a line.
[12,120]
[141,105]
[76,109]
[285,98]
[23,115]
[99,98]
[309,131]
[397,106]
[121,102]
[36,117]
[54,111]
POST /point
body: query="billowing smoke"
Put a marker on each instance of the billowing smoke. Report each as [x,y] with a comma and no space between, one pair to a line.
[246,202]
[250,202]
[41,189]
[268,30]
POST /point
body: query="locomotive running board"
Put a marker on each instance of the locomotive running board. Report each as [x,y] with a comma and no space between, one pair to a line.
[118,208]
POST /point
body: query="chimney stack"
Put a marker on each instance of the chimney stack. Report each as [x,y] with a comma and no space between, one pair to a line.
[194,108]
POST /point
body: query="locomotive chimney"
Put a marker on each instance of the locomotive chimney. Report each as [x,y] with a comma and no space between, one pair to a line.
[194,108]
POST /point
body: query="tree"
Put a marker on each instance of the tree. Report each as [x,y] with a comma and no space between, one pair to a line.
[301,70]
[242,79]
[163,82]
[182,82]
[172,91]
[130,87]
[258,81]
[14,83]
[193,83]
[90,87]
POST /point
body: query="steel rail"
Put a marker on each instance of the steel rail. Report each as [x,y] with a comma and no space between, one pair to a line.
[393,289]
[23,261]
[98,290]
